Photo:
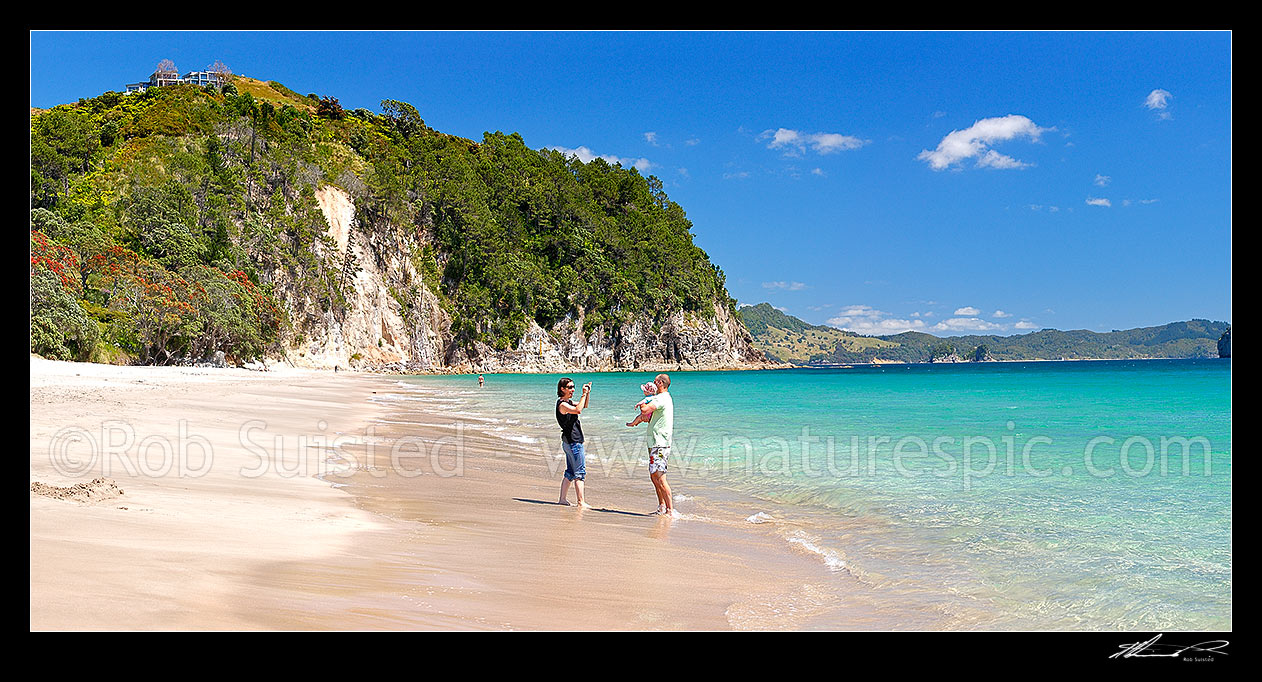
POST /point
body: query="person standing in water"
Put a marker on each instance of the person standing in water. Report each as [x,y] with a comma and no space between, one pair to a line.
[661,428]
[480,381]
[567,412]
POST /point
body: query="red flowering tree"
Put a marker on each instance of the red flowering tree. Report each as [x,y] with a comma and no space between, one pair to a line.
[59,259]
[236,316]
[158,305]
[194,313]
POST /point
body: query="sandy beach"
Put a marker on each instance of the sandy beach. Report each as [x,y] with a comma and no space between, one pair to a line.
[293,523]
[198,513]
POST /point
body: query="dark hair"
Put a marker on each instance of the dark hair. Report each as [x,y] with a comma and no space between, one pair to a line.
[561,385]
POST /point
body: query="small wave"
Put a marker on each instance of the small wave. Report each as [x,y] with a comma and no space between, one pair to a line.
[760,517]
[473,416]
[412,398]
[694,517]
[409,423]
[830,557]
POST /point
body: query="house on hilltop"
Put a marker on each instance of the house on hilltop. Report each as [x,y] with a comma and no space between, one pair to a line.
[166,74]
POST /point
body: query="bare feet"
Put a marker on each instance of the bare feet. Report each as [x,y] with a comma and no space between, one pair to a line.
[661,509]
[565,502]
[584,505]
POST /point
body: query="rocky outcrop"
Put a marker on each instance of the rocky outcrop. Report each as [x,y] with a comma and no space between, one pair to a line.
[393,322]
[682,342]
[1224,345]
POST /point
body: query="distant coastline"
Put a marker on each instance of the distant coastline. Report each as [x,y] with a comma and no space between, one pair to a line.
[987,362]
[787,338]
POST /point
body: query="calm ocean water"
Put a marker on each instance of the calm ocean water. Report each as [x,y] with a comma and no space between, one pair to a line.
[1049,495]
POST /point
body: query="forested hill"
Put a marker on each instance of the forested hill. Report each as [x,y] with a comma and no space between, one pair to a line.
[786,338]
[790,339]
[182,222]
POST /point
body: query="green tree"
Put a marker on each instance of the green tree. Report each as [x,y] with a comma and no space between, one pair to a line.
[60,329]
[163,221]
[63,141]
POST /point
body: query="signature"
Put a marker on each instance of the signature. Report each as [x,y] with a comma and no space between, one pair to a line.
[1138,649]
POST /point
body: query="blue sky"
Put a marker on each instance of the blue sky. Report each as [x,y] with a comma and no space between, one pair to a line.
[948,182]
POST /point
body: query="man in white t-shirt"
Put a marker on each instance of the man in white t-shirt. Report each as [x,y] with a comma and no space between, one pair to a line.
[661,427]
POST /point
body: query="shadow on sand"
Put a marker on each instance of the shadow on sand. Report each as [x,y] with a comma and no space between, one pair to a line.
[595,509]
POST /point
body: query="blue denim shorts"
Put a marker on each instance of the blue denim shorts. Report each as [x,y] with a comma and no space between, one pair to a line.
[575,462]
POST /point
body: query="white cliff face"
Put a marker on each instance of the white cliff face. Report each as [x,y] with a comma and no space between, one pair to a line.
[370,332]
[376,332]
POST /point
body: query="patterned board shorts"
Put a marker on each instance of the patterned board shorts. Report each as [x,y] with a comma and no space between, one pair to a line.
[657,458]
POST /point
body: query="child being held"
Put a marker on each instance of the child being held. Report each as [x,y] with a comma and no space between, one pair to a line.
[650,390]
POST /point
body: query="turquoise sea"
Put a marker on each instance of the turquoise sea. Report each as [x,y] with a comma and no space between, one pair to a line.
[1040,495]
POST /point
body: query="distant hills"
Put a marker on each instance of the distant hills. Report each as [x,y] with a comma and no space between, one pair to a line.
[790,339]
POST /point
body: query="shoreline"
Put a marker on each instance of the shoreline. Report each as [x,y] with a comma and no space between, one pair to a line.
[282,367]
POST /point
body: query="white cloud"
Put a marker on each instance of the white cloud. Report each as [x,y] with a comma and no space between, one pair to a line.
[965,324]
[736,176]
[993,159]
[691,142]
[651,138]
[1102,180]
[864,319]
[786,286]
[968,311]
[974,141]
[1000,314]
[795,142]
[818,171]
[1092,201]
[587,156]
[1149,201]
[1025,324]
[1158,99]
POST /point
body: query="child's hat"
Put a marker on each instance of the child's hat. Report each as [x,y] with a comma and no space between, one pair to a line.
[649,387]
